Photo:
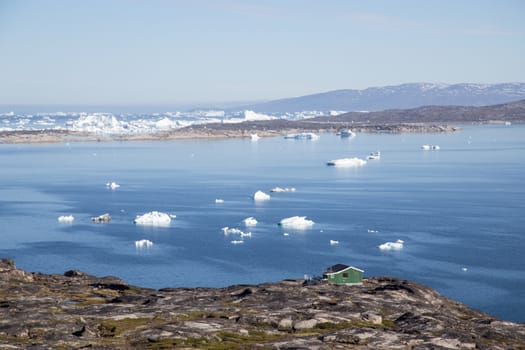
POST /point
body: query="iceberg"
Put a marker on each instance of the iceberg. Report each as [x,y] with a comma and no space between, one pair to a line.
[261,196]
[302,136]
[296,222]
[102,218]
[347,162]
[236,242]
[425,147]
[66,218]
[250,221]
[254,137]
[153,218]
[218,201]
[280,189]
[112,185]
[143,243]
[333,242]
[397,245]
[235,231]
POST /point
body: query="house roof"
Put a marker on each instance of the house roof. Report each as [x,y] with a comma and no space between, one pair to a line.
[339,268]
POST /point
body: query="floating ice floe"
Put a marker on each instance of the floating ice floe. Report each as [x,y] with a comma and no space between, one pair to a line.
[112,185]
[374,156]
[153,218]
[302,136]
[285,189]
[333,242]
[66,218]
[397,245]
[261,196]
[218,201]
[296,222]
[235,231]
[236,242]
[143,243]
[102,218]
[347,162]
[251,221]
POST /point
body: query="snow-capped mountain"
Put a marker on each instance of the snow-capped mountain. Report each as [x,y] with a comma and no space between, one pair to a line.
[409,95]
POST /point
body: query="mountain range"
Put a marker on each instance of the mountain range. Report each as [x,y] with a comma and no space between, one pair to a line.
[409,95]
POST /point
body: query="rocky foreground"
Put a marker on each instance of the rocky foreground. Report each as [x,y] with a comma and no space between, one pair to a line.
[77,310]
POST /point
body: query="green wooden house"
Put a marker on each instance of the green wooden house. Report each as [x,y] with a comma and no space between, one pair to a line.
[344,274]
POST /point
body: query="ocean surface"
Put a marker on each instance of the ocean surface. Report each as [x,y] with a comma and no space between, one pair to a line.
[460,210]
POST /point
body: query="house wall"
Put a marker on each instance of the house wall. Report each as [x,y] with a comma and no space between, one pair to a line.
[352,276]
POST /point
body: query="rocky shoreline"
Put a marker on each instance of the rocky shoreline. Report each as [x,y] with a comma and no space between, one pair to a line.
[219,131]
[77,310]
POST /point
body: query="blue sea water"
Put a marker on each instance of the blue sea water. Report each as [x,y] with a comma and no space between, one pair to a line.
[459,210]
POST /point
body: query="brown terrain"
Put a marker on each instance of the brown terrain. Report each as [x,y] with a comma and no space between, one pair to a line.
[76,310]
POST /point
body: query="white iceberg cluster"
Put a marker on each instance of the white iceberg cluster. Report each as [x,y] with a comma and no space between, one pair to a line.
[112,185]
[251,221]
[281,189]
[66,218]
[154,218]
[143,243]
[347,162]
[296,222]
[397,245]
[235,231]
[261,196]
[248,116]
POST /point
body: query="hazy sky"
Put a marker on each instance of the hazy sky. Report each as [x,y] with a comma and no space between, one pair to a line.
[173,52]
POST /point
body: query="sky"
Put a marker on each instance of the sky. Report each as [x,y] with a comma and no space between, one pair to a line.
[162,52]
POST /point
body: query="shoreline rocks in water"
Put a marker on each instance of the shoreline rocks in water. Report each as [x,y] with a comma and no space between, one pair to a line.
[77,310]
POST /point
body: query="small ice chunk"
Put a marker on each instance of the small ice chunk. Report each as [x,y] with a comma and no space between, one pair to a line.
[236,242]
[153,218]
[347,162]
[218,200]
[333,242]
[280,189]
[373,231]
[143,243]
[66,218]
[251,221]
[464,269]
[234,231]
[426,147]
[286,234]
[296,222]
[102,218]
[112,185]
[261,196]
[397,245]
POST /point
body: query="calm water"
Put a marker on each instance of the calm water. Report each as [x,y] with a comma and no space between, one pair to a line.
[462,207]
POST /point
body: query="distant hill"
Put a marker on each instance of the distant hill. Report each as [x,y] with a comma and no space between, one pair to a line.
[512,112]
[397,96]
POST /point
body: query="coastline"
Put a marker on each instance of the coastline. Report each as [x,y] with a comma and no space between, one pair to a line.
[272,128]
[78,310]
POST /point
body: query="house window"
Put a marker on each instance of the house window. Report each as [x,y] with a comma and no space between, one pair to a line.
[345,274]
